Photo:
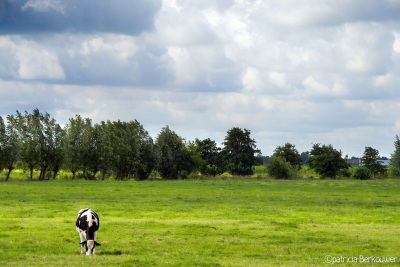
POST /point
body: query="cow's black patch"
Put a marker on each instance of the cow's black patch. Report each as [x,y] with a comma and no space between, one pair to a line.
[83,224]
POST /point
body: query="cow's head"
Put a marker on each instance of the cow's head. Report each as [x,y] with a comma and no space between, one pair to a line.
[89,247]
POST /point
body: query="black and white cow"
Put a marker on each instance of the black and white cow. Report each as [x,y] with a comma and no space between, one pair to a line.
[87,225]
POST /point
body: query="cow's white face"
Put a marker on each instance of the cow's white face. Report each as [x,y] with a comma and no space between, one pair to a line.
[90,248]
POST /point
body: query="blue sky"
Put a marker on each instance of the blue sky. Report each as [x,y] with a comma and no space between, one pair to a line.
[293,71]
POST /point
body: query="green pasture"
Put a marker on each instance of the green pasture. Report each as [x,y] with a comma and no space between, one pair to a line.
[231,222]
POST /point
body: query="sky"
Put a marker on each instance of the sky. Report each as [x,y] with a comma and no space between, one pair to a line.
[296,71]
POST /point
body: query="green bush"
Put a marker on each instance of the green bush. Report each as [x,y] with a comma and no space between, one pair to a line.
[345,173]
[394,171]
[279,168]
[362,173]
[183,174]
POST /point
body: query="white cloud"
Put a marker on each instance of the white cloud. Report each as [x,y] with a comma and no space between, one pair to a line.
[177,27]
[315,87]
[386,81]
[277,78]
[120,47]
[251,80]
[38,64]
[185,70]
[44,6]
[365,47]
[298,71]
[396,43]
[28,60]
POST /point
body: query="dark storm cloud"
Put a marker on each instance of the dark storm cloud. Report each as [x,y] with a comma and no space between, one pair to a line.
[117,16]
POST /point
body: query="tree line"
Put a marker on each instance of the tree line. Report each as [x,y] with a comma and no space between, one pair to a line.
[117,148]
[126,150]
[328,162]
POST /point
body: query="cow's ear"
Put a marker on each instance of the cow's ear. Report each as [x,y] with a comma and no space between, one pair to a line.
[97,244]
[84,242]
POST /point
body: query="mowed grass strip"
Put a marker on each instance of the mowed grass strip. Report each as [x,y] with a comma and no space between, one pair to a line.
[201,223]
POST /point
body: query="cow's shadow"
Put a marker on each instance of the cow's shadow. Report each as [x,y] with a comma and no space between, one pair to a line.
[114,252]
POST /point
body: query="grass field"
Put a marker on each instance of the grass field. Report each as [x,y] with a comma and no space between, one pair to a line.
[234,222]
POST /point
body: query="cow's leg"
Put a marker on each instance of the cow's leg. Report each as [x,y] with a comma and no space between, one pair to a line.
[82,237]
[94,245]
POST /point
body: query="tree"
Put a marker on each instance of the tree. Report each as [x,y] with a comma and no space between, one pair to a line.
[370,161]
[35,134]
[22,126]
[3,138]
[124,148]
[73,145]
[40,139]
[53,149]
[211,156]
[199,164]
[105,147]
[147,154]
[147,157]
[89,149]
[290,154]
[395,158]
[326,160]
[81,147]
[239,151]
[58,154]
[173,157]
[92,142]
[48,137]
[125,142]
[9,145]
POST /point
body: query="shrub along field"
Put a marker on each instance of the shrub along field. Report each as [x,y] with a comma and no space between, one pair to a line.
[232,222]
